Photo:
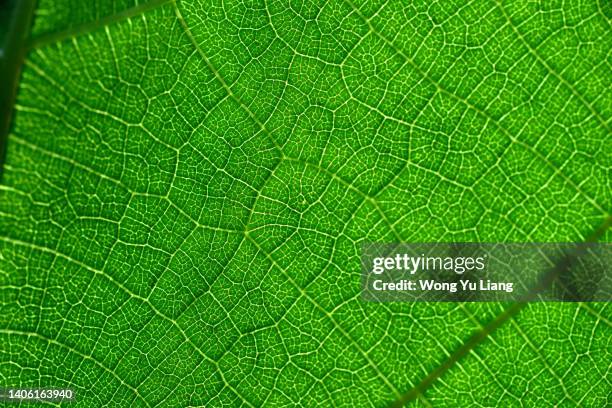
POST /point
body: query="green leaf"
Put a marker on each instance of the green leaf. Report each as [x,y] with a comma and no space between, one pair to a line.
[187,186]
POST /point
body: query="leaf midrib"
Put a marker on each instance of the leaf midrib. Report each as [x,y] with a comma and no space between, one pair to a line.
[489,328]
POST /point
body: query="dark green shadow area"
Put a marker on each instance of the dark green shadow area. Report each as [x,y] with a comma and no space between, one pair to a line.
[15,23]
[555,274]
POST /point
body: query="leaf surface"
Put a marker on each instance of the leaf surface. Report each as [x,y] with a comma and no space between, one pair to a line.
[187,186]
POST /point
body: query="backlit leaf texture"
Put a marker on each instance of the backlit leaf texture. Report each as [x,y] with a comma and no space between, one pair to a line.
[188,183]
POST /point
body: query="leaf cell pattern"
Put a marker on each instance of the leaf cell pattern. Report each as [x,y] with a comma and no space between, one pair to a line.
[188,183]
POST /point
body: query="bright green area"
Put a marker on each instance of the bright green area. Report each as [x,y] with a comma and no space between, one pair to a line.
[186,191]
[53,16]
